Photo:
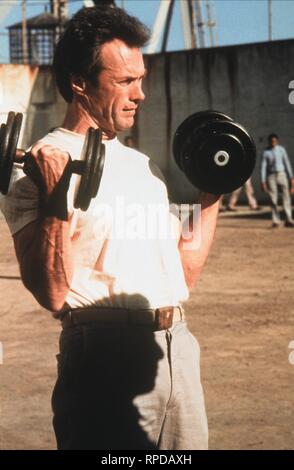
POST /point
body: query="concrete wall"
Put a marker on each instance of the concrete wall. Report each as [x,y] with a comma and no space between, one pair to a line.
[248,82]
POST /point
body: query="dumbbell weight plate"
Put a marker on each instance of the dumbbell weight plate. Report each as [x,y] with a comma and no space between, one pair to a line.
[99,164]
[93,163]
[9,135]
[3,147]
[223,157]
[10,155]
[185,131]
[5,131]
[217,156]
[82,195]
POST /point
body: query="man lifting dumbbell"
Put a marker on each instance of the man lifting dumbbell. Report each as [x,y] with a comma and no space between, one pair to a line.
[90,166]
[128,369]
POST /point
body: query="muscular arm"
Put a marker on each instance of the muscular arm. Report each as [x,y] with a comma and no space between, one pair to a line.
[43,250]
[194,259]
[43,247]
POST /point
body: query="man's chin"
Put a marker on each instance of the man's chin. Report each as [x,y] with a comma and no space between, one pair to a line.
[125,125]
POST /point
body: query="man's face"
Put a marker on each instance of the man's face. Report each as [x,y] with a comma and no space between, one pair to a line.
[273,142]
[113,103]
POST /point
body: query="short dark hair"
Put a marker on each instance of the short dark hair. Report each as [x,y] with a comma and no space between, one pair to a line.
[78,50]
[272,136]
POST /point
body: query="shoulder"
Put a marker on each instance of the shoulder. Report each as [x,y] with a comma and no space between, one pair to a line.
[65,140]
[47,138]
[142,163]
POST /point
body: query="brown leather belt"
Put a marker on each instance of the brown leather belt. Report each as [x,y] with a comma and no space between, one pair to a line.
[159,318]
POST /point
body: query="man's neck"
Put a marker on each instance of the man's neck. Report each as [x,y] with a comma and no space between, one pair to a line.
[78,120]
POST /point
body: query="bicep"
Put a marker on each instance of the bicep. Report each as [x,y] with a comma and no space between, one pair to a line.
[23,239]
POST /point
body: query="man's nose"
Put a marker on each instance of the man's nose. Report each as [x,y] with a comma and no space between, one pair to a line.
[138,94]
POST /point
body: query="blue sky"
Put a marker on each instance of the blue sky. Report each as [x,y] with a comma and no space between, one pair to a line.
[238,21]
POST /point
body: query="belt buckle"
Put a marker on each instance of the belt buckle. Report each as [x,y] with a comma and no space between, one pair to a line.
[163,318]
[66,319]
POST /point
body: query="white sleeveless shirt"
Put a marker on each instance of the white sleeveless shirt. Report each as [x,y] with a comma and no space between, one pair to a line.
[125,246]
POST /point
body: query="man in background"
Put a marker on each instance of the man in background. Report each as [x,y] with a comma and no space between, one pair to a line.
[276,172]
[249,191]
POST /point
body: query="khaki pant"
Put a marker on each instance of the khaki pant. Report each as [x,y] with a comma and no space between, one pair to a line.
[274,182]
[249,191]
[126,387]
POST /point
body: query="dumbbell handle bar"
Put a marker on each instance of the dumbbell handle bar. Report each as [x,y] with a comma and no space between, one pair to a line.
[77,166]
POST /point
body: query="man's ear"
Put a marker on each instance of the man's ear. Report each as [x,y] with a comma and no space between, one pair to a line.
[78,85]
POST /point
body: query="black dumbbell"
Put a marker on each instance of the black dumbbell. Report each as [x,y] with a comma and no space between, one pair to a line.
[90,167]
[216,154]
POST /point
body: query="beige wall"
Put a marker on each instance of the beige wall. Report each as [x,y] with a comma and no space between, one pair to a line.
[30,90]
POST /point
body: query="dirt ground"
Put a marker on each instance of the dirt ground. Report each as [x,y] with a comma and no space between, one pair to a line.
[241,312]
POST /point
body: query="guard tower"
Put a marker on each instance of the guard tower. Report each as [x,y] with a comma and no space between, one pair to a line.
[32,40]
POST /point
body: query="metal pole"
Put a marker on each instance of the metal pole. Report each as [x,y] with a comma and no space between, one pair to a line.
[201,23]
[188,24]
[158,25]
[167,26]
[24,32]
[210,23]
[215,22]
[54,7]
[192,15]
[63,8]
[270,20]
